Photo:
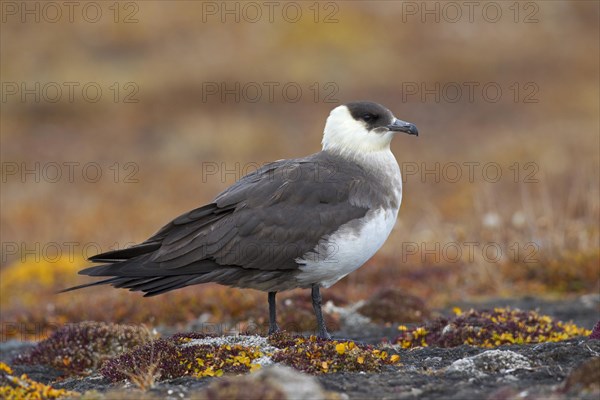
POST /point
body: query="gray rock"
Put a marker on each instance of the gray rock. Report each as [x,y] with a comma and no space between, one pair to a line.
[294,384]
[491,361]
[274,381]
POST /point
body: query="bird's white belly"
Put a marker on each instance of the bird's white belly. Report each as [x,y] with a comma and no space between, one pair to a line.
[346,249]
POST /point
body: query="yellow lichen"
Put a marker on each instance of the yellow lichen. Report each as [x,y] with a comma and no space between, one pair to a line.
[491,328]
[24,388]
[213,366]
[5,368]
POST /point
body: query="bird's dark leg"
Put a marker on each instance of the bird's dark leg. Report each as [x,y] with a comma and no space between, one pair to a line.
[272,314]
[316,300]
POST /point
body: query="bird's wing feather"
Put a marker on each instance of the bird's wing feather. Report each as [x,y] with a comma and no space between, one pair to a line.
[263,222]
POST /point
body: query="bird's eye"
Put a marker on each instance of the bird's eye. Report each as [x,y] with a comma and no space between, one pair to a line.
[368,117]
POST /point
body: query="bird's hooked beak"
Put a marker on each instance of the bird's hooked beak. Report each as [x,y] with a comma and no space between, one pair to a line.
[403,126]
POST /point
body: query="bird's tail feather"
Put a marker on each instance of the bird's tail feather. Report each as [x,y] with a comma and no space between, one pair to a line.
[151,286]
[85,285]
[126,254]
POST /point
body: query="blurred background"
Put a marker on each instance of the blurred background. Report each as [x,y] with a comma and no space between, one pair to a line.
[117,117]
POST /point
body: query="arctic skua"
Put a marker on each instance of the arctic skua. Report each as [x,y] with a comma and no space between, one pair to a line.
[298,223]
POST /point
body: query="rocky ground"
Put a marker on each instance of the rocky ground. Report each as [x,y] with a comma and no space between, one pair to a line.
[560,370]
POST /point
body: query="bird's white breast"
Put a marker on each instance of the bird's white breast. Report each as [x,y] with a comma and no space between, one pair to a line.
[346,249]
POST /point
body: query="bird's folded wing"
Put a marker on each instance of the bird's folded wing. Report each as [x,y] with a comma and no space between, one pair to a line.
[265,221]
